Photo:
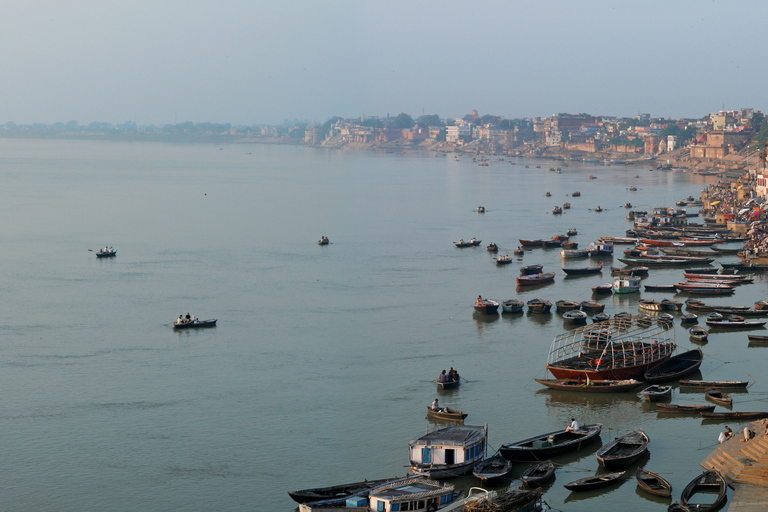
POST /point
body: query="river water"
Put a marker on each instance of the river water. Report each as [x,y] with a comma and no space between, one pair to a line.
[320,368]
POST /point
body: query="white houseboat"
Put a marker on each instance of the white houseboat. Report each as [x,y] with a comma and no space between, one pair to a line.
[626,284]
[449,451]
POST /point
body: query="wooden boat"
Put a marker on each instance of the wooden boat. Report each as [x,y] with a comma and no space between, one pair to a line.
[492,247]
[653,483]
[601,317]
[530,243]
[519,251]
[590,306]
[446,414]
[576,317]
[539,306]
[649,305]
[480,209]
[713,383]
[683,409]
[707,482]
[689,318]
[632,271]
[698,333]
[736,324]
[660,262]
[734,415]
[731,310]
[534,279]
[626,353]
[717,396]
[566,206]
[196,324]
[448,452]
[683,242]
[571,245]
[602,289]
[758,340]
[671,305]
[503,260]
[600,249]
[660,288]
[623,450]
[531,269]
[572,231]
[761,305]
[493,468]
[561,306]
[594,482]
[451,383]
[746,267]
[557,210]
[571,254]
[717,277]
[472,243]
[512,306]
[538,474]
[593,386]
[551,243]
[675,367]
[335,491]
[657,393]
[711,270]
[583,271]
[110,253]
[548,445]
[487,307]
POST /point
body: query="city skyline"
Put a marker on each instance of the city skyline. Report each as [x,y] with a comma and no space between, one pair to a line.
[261,63]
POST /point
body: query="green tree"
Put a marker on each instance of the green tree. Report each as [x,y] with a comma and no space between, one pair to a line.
[403,121]
[428,120]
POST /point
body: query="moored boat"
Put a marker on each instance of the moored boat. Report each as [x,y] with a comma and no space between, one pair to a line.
[675,367]
[531,269]
[548,445]
[657,393]
[539,306]
[595,386]
[448,452]
[335,491]
[538,474]
[601,317]
[591,306]
[652,483]
[698,333]
[734,415]
[626,284]
[492,468]
[573,254]
[683,409]
[714,383]
[660,288]
[561,306]
[757,340]
[512,306]
[534,279]
[718,397]
[623,450]
[583,271]
[706,482]
[503,260]
[735,323]
[486,306]
[649,305]
[576,317]
[626,351]
[602,289]
[594,482]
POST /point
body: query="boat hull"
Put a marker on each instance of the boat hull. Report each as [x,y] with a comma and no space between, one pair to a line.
[538,448]
[623,373]
[202,324]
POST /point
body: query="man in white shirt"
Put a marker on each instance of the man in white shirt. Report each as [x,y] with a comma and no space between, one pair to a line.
[573,426]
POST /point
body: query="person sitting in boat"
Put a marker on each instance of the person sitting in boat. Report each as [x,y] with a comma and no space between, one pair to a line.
[443,377]
[435,406]
[473,240]
[479,300]
[180,320]
[188,318]
[580,380]
[573,426]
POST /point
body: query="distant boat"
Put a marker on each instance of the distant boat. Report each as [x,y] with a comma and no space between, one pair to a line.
[675,367]
[591,386]
[602,289]
[534,279]
[576,317]
[547,445]
[657,393]
[626,284]
[472,243]
[492,468]
[653,483]
[624,450]
[538,474]
[583,271]
[512,306]
[594,482]
[487,306]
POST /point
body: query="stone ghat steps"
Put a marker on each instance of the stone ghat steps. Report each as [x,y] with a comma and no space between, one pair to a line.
[742,462]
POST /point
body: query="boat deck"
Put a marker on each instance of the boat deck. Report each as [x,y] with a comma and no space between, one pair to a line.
[455,434]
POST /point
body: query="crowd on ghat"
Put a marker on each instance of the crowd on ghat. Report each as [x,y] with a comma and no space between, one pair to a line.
[725,198]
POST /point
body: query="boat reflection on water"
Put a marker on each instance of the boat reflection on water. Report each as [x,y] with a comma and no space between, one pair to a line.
[660,500]
[540,318]
[592,402]
[484,317]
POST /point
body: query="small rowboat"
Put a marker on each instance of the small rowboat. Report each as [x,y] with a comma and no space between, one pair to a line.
[590,306]
[653,483]
[583,271]
[550,444]
[714,383]
[707,482]
[538,474]
[539,306]
[683,409]
[533,279]
[657,393]
[730,323]
[660,288]
[689,318]
[196,324]
[698,333]
[531,269]
[576,317]
[512,306]
[335,491]
[492,468]
[601,289]
[623,450]
[503,260]
[675,367]
[757,340]
[594,482]
[107,254]
[717,396]
[446,414]
[734,415]
[487,307]
[561,306]
[472,243]
[593,386]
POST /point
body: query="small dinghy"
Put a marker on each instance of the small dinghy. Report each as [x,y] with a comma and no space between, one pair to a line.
[698,333]
[594,482]
[707,482]
[713,383]
[493,468]
[538,474]
[653,483]
[575,317]
[683,409]
[446,414]
[675,367]
[512,306]
[718,397]
[623,450]
[657,393]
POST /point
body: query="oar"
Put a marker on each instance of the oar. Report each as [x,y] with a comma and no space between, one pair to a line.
[91,250]
[462,310]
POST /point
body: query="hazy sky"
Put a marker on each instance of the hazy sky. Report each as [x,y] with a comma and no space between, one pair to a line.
[254,61]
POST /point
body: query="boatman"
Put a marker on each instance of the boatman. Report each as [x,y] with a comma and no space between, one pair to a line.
[573,426]
[434,405]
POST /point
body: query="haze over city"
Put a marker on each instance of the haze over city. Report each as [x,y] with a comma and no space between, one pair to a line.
[263,62]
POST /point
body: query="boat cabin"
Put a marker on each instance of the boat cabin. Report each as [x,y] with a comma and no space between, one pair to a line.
[413,494]
[626,284]
[448,452]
